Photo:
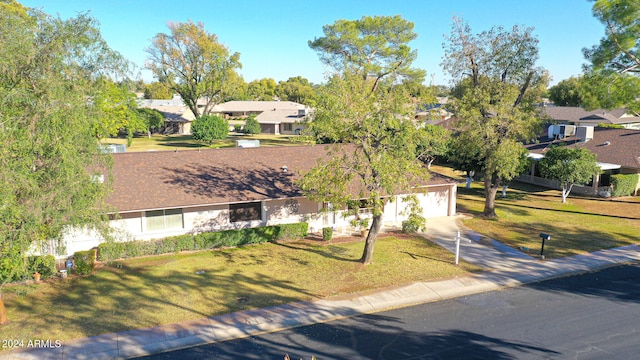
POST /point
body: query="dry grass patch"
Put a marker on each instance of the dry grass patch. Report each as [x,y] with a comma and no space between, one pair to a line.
[150,291]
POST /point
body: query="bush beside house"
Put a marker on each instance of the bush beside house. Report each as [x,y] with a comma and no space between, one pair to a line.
[109,251]
[624,184]
[44,265]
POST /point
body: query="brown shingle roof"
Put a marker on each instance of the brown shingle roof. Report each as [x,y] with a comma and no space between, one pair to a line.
[168,179]
[613,146]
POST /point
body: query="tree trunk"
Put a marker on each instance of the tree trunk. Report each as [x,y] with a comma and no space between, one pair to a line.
[367,254]
[4,319]
[490,191]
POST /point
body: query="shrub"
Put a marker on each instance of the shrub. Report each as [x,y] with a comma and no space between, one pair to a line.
[45,265]
[237,128]
[624,184]
[252,126]
[208,128]
[291,231]
[23,268]
[414,224]
[327,234]
[84,262]
[111,250]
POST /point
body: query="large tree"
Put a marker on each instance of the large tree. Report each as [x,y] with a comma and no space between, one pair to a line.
[297,89]
[434,143]
[568,166]
[497,85]
[195,65]
[614,69]
[377,46]
[567,92]
[117,110]
[365,114]
[49,69]
[261,90]
[157,90]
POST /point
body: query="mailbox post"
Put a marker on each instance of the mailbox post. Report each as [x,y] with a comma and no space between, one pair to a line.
[544,237]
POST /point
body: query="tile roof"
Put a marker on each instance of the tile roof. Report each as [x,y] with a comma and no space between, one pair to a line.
[169,179]
[613,146]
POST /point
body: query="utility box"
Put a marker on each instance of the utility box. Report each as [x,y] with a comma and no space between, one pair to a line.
[247,143]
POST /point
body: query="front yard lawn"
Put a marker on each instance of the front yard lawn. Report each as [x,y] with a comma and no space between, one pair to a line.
[156,290]
[581,225]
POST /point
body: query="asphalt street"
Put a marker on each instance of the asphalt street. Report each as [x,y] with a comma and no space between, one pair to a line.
[590,316]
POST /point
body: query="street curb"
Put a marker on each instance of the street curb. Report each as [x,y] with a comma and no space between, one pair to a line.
[142,342]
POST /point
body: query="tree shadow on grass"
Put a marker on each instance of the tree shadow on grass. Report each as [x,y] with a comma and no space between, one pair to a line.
[121,298]
[417,256]
[329,252]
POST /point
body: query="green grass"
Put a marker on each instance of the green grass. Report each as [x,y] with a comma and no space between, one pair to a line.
[579,226]
[150,291]
[186,142]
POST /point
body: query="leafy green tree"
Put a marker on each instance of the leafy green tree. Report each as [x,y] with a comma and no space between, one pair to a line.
[606,89]
[116,106]
[152,119]
[366,117]
[432,143]
[498,83]
[567,92]
[376,46]
[569,166]
[615,61]
[49,152]
[209,128]
[194,65]
[157,90]
[261,90]
[252,126]
[297,89]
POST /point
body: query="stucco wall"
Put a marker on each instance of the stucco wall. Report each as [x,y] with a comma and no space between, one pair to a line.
[437,201]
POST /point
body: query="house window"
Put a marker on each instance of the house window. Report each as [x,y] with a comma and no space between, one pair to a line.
[362,206]
[288,127]
[164,219]
[245,212]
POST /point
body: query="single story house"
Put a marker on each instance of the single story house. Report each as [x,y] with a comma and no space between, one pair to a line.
[176,113]
[160,194]
[617,152]
[275,117]
[577,116]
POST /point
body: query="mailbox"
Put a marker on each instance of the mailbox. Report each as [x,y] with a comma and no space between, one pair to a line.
[544,237]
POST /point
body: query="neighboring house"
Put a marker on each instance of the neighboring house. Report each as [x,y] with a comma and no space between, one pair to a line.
[579,117]
[617,152]
[177,114]
[433,114]
[160,194]
[275,117]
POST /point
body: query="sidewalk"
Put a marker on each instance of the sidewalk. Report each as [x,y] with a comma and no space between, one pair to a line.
[505,267]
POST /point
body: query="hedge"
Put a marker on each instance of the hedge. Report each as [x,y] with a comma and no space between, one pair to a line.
[111,250]
[45,265]
[84,262]
[624,184]
[327,234]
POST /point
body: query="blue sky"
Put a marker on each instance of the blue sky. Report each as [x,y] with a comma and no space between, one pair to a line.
[271,36]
